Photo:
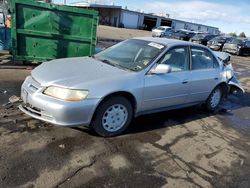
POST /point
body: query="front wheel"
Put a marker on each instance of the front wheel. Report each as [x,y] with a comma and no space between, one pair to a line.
[214,99]
[112,117]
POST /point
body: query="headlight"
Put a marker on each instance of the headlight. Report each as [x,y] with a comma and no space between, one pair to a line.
[228,74]
[66,94]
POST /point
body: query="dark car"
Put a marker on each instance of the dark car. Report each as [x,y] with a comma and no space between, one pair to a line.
[182,35]
[238,46]
[217,43]
[202,38]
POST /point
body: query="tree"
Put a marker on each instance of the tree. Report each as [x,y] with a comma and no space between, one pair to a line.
[233,34]
[242,35]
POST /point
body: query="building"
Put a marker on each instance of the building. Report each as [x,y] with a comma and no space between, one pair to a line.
[118,17]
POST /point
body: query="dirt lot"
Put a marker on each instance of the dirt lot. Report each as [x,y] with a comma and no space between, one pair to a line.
[181,148]
[106,32]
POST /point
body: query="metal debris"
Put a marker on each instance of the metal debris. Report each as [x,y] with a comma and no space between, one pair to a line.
[14,99]
[62,146]
[241,162]
[3,91]
[8,105]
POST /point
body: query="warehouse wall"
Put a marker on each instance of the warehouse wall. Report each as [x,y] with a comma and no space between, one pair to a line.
[129,19]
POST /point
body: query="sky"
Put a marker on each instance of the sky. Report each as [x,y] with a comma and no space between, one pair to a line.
[227,15]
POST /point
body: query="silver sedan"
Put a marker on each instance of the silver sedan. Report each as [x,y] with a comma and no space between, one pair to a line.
[135,77]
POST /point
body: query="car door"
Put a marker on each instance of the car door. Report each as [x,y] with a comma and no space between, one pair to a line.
[205,74]
[170,89]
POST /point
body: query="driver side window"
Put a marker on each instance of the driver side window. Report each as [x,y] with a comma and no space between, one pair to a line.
[177,58]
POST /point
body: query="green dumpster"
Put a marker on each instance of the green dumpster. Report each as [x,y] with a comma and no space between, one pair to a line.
[42,31]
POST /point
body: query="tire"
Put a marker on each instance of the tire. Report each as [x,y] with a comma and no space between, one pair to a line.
[112,116]
[214,99]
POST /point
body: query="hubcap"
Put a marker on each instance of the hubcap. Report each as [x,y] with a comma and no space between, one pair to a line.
[215,98]
[115,117]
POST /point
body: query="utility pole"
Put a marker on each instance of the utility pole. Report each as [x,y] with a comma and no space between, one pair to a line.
[65,2]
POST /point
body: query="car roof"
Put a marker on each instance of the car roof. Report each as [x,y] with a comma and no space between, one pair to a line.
[167,42]
[164,27]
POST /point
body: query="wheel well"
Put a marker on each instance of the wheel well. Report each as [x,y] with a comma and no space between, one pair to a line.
[125,94]
[224,87]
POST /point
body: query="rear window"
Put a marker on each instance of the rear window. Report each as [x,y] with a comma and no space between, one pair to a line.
[247,43]
[237,41]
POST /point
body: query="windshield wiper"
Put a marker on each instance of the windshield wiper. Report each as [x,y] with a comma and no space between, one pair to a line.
[108,62]
[114,64]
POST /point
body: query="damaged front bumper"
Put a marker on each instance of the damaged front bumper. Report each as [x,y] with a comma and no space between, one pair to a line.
[234,86]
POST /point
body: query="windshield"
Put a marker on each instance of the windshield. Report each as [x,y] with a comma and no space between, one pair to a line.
[200,36]
[161,28]
[131,54]
[182,32]
[220,39]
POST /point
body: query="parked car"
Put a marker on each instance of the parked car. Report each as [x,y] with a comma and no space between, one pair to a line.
[237,46]
[202,38]
[161,31]
[137,76]
[217,43]
[182,35]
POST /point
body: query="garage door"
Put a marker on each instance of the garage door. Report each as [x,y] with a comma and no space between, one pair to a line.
[130,20]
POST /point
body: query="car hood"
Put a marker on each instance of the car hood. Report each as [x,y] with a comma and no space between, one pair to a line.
[75,72]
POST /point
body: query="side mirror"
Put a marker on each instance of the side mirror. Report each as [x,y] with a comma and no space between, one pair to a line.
[227,60]
[161,69]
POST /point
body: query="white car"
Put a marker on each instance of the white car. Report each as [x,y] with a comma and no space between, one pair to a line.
[161,31]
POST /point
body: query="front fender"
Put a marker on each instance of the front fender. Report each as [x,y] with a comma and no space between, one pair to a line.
[235,86]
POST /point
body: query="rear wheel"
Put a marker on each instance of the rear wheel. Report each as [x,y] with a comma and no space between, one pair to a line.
[214,99]
[112,117]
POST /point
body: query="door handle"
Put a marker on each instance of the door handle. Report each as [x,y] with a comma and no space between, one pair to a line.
[216,78]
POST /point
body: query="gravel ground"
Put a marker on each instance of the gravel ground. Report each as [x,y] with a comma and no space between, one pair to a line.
[180,148]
